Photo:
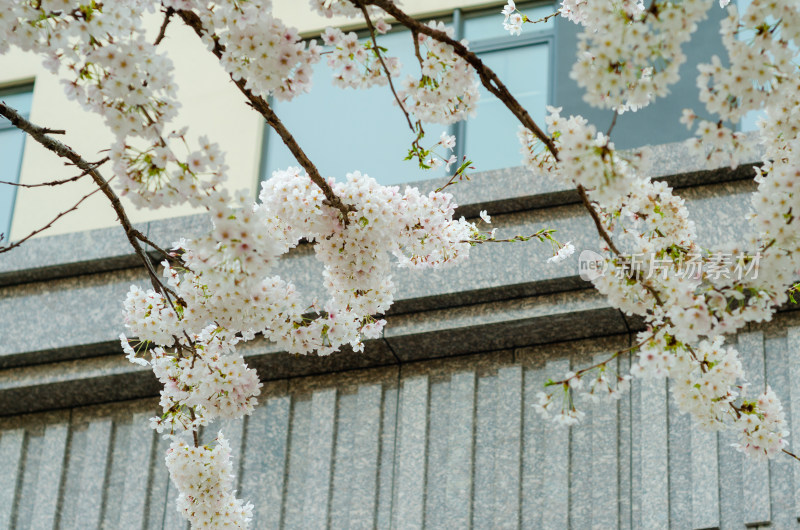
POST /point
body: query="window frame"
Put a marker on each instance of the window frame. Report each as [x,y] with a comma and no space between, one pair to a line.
[456,18]
[5,125]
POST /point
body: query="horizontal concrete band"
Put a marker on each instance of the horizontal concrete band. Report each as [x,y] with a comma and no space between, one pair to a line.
[498,191]
[504,296]
[70,316]
[554,320]
[413,337]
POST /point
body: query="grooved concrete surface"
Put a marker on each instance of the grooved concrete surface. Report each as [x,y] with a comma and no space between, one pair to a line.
[451,443]
[422,430]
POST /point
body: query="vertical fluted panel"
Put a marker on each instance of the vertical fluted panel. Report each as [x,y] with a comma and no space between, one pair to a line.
[679,426]
[625,451]
[366,425]
[555,490]
[581,457]
[12,450]
[437,446]
[705,478]
[94,472]
[297,460]
[533,477]
[388,455]
[781,468]
[604,466]
[459,461]
[731,509]
[411,461]
[160,485]
[53,449]
[485,439]
[135,460]
[265,456]
[344,455]
[653,437]
[320,459]
[508,448]
[793,362]
[755,473]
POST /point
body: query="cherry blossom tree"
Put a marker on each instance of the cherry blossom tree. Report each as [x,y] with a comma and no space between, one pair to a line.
[217,291]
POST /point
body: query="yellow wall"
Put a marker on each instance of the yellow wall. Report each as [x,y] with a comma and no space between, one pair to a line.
[210,105]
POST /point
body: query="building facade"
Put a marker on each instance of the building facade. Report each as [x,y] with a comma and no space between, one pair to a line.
[433,425]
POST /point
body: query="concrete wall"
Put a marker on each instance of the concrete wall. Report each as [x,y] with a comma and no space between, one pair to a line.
[432,426]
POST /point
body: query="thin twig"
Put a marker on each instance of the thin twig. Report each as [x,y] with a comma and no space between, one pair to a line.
[162,31]
[544,18]
[613,123]
[38,133]
[383,64]
[602,363]
[56,182]
[791,454]
[487,76]
[48,225]
[261,105]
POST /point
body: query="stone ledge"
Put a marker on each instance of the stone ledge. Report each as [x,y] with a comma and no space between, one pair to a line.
[428,335]
[79,316]
[498,191]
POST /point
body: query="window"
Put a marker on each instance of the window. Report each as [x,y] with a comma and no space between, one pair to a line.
[326,120]
[12,142]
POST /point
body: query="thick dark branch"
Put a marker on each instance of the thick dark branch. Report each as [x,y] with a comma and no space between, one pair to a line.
[260,104]
[597,221]
[163,30]
[487,76]
[40,135]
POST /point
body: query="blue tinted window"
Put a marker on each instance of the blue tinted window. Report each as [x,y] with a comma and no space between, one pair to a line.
[343,130]
[12,142]
[490,138]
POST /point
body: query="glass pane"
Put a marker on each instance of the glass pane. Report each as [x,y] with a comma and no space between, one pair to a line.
[346,130]
[491,26]
[11,143]
[16,99]
[491,137]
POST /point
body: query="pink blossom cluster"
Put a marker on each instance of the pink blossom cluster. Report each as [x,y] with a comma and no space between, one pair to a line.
[270,57]
[628,56]
[762,427]
[686,315]
[223,291]
[447,91]
[357,65]
[204,478]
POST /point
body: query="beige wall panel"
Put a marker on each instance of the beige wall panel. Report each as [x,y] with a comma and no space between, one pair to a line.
[295,12]
[211,105]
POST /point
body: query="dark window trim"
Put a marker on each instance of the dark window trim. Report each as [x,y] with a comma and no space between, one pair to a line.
[5,125]
[11,91]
